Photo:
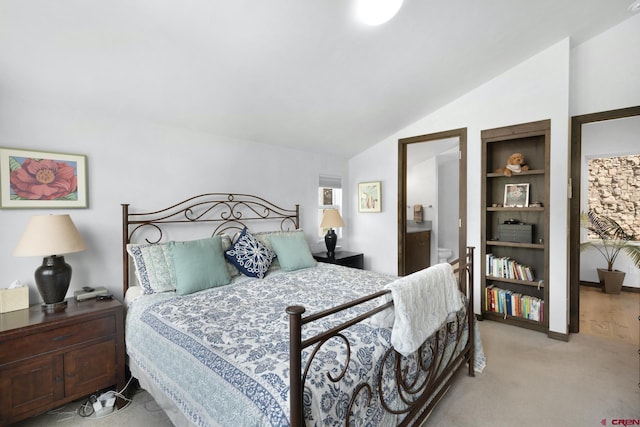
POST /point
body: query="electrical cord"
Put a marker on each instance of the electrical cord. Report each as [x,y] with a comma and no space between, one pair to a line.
[87,409]
[62,414]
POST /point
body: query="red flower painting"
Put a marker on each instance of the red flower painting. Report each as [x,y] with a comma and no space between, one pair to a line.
[43,179]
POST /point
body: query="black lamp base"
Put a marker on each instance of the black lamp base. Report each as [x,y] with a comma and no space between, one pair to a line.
[330,239]
[55,307]
[52,279]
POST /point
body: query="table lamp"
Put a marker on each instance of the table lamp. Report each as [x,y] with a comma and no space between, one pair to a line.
[51,236]
[331,218]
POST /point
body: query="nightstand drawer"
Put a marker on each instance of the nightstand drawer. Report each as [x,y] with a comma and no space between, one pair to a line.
[56,339]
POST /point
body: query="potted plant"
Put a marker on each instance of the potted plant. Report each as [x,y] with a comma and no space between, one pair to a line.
[611,239]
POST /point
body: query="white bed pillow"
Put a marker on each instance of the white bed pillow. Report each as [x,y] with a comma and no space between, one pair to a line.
[133,293]
[226,245]
[153,267]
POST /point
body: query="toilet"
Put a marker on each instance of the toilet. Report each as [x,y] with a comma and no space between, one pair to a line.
[444,254]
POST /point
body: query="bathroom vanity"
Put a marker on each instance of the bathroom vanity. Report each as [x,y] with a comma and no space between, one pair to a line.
[418,246]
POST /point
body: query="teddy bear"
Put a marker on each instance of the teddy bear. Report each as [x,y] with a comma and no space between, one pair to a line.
[514,164]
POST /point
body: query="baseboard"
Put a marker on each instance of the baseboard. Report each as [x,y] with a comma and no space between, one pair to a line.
[599,286]
[558,336]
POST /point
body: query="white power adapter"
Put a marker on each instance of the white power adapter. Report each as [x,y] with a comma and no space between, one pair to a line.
[104,404]
[107,399]
[97,405]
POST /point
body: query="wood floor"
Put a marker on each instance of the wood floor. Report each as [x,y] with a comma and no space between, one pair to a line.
[610,316]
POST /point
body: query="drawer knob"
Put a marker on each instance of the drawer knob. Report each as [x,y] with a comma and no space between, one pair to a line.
[62,337]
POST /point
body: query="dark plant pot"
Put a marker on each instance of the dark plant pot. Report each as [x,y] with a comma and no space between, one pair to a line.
[611,281]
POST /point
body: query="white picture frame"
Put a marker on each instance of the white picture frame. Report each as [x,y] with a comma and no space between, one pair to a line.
[369,197]
[516,195]
[32,179]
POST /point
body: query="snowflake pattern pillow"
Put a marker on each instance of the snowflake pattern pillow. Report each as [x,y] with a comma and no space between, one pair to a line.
[250,256]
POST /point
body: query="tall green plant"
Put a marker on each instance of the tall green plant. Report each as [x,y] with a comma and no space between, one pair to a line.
[612,239]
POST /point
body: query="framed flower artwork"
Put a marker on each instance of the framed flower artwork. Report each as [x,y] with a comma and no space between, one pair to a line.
[38,179]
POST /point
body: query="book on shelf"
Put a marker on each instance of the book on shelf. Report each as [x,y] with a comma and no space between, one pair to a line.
[504,301]
[507,268]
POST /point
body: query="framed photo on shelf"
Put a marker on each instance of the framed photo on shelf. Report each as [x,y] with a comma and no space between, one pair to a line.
[369,197]
[41,180]
[516,195]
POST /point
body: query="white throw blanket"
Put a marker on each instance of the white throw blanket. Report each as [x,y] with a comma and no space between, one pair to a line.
[422,301]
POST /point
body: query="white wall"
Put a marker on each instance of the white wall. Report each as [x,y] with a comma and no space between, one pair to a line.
[149,166]
[537,89]
[448,176]
[418,192]
[605,71]
[422,188]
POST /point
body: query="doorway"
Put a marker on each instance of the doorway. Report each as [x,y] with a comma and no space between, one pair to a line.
[575,203]
[447,152]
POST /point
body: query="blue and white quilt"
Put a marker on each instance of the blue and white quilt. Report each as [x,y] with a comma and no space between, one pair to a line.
[222,355]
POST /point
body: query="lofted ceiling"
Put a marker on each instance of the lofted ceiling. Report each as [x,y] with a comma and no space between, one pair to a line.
[296,73]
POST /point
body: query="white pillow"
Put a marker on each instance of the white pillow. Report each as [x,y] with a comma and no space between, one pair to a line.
[226,245]
[153,267]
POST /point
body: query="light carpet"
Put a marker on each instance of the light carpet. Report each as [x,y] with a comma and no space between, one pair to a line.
[530,380]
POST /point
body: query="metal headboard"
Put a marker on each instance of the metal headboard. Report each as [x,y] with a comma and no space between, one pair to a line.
[226,211]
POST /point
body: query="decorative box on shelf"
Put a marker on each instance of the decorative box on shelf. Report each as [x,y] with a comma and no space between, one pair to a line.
[518,233]
[14,299]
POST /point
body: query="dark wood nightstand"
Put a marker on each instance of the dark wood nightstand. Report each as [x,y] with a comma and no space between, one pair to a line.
[49,359]
[346,258]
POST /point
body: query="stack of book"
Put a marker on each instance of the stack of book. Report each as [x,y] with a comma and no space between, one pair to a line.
[511,303]
[508,268]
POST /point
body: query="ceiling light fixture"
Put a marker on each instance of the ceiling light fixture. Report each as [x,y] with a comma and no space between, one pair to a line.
[377,12]
[635,6]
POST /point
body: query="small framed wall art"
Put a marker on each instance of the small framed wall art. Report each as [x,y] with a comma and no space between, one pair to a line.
[516,195]
[369,197]
[39,179]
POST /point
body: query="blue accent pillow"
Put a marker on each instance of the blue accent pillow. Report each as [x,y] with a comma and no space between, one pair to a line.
[250,256]
[292,251]
[199,265]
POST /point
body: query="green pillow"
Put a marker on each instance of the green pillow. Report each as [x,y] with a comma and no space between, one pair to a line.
[292,251]
[199,264]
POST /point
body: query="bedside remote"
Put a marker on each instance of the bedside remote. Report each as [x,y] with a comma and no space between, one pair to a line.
[83,294]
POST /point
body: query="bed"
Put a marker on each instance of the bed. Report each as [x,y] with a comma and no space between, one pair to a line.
[269,337]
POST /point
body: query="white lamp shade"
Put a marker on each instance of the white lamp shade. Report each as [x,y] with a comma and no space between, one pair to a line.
[48,235]
[331,218]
